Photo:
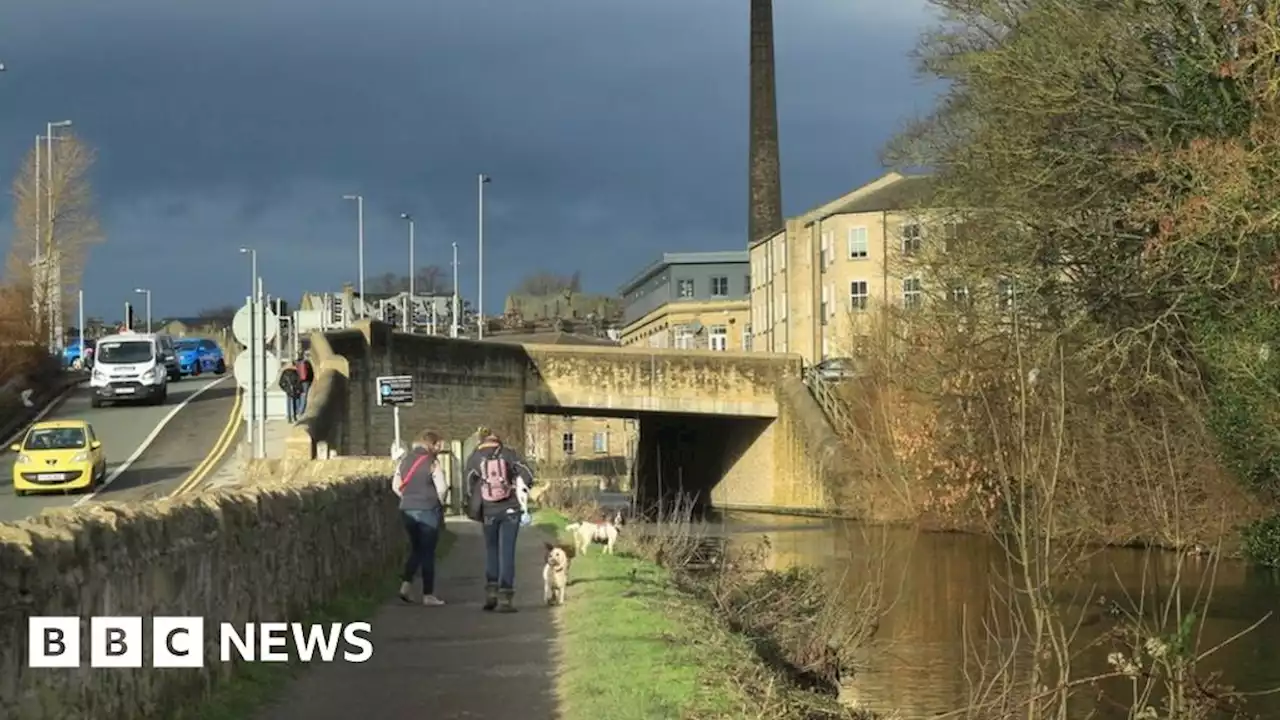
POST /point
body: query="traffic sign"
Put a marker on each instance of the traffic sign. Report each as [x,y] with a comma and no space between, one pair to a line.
[395,390]
[240,326]
[265,380]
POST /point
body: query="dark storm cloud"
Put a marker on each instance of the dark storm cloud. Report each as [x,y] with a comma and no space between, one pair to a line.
[613,130]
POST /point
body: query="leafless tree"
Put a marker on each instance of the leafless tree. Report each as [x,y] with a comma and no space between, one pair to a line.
[54,218]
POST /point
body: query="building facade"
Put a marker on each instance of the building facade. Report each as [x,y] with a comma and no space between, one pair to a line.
[693,301]
[814,282]
[563,446]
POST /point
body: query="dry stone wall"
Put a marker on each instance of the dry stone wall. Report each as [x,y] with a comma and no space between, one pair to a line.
[266,553]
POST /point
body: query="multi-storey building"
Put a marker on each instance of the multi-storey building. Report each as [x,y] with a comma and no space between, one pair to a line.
[691,301]
[814,281]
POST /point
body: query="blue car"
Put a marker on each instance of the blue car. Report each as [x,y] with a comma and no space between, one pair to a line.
[71,353]
[199,355]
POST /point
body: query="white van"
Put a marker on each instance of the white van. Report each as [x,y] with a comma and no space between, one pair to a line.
[129,366]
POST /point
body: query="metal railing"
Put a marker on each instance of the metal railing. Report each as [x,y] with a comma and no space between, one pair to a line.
[822,390]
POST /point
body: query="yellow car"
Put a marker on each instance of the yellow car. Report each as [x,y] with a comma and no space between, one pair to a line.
[58,455]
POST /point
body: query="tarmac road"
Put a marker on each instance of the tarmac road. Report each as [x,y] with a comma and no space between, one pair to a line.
[179,436]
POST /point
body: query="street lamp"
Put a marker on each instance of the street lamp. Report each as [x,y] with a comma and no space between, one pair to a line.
[252,389]
[454,327]
[360,240]
[144,291]
[406,321]
[481,181]
[53,284]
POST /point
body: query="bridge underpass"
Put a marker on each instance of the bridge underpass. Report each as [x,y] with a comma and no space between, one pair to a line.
[682,459]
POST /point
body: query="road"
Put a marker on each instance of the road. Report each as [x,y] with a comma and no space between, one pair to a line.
[185,439]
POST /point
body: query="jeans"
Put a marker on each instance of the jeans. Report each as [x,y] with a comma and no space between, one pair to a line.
[500,550]
[300,402]
[423,527]
[291,408]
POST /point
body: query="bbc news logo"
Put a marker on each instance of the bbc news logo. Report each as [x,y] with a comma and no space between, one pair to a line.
[178,642]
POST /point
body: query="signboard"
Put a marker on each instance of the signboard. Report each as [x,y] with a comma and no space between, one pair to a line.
[395,391]
[265,379]
[240,326]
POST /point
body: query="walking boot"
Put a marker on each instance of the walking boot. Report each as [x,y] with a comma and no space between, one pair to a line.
[506,601]
[490,597]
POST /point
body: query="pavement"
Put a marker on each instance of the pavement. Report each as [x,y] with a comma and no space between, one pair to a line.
[231,471]
[444,663]
[150,450]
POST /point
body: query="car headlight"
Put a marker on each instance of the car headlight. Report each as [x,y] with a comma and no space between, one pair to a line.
[24,459]
[80,457]
[98,374]
[149,374]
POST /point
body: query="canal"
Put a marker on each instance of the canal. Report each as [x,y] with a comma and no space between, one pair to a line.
[941,591]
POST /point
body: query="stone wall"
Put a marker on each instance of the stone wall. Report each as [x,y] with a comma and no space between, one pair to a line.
[631,380]
[268,553]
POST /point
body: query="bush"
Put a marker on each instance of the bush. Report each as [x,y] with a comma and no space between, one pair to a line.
[1262,541]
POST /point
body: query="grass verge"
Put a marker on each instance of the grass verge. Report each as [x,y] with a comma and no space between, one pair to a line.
[634,646]
[254,685]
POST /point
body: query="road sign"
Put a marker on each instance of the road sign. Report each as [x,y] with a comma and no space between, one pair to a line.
[265,380]
[395,390]
[240,326]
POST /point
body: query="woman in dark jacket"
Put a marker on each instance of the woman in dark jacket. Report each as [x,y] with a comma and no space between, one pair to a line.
[421,485]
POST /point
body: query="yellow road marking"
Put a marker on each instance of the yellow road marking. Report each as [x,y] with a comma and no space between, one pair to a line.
[216,454]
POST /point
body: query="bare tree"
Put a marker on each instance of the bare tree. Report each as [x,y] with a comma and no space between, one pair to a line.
[55,221]
[544,284]
[429,279]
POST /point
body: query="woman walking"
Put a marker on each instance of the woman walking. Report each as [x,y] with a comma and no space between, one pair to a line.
[498,480]
[421,485]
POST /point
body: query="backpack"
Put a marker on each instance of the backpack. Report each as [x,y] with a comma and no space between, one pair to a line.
[495,477]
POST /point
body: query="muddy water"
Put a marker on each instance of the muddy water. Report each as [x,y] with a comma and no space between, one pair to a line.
[946,588]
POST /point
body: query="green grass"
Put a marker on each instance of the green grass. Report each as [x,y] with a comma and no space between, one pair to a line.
[256,684]
[633,647]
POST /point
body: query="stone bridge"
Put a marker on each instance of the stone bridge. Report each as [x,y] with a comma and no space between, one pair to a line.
[729,426]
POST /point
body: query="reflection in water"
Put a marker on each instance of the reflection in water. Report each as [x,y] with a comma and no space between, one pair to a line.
[944,587]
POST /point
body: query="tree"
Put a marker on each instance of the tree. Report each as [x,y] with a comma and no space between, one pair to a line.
[544,283]
[55,220]
[428,280]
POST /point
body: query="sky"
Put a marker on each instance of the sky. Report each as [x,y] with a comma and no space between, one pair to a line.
[614,131]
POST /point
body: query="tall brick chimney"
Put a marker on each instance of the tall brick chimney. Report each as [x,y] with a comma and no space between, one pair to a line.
[764,209]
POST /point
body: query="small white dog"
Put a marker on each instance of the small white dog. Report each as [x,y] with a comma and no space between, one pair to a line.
[585,533]
[555,575]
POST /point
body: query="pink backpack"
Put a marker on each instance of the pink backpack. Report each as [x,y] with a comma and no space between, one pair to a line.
[495,477]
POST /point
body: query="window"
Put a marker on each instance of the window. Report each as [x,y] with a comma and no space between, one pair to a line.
[858,295]
[857,243]
[746,337]
[685,288]
[911,293]
[600,442]
[780,252]
[912,238]
[566,443]
[825,259]
[746,283]
[826,299]
[719,287]
[960,295]
[684,337]
[719,338]
[951,236]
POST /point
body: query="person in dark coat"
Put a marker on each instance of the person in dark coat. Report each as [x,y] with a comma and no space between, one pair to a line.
[292,387]
[498,482]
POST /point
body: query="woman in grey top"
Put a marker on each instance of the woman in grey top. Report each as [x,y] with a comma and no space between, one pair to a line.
[421,485]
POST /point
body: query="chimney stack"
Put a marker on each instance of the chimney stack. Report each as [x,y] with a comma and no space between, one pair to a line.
[764,209]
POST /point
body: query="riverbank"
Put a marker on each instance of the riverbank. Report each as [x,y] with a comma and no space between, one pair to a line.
[637,642]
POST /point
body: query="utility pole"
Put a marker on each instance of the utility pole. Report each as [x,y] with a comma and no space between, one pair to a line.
[53,279]
[481,181]
[453,330]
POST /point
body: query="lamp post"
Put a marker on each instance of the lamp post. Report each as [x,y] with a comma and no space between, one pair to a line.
[453,331]
[407,321]
[252,390]
[360,243]
[147,293]
[53,277]
[481,181]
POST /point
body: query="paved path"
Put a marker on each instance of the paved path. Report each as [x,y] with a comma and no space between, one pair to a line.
[177,448]
[448,662]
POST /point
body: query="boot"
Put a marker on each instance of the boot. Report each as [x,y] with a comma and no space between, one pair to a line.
[506,601]
[490,597]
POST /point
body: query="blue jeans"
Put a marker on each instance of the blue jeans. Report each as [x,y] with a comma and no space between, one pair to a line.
[500,550]
[300,402]
[423,527]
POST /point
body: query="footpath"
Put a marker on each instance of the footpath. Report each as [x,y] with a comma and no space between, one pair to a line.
[443,663]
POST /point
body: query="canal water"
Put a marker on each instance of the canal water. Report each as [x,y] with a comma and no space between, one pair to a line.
[941,589]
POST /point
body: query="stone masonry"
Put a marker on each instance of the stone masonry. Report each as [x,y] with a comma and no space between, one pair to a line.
[267,553]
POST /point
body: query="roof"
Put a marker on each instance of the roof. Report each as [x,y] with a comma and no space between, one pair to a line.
[716,257]
[903,193]
[55,424]
[553,338]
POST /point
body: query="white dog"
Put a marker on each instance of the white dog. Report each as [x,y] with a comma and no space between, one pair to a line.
[585,533]
[555,575]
